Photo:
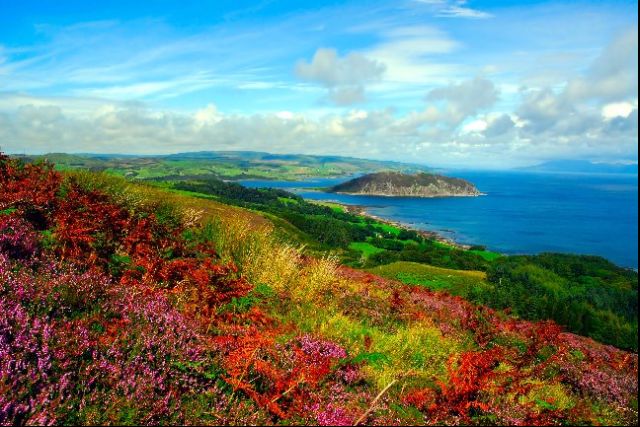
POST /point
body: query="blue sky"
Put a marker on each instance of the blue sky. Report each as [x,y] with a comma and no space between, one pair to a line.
[441,82]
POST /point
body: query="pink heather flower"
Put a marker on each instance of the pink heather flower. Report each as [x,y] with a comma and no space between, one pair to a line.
[320,350]
[349,374]
[18,240]
[330,415]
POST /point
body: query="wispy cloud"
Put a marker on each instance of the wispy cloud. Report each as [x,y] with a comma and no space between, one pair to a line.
[411,55]
[116,59]
[454,9]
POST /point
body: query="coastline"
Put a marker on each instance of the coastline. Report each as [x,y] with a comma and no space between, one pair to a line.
[362,211]
[412,196]
[507,208]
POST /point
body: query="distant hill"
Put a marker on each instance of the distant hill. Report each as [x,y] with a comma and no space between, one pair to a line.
[583,166]
[408,185]
[229,165]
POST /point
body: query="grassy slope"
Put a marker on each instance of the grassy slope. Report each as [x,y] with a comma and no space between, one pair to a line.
[455,282]
[435,358]
[487,255]
[367,249]
[356,309]
[203,206]
[604,314]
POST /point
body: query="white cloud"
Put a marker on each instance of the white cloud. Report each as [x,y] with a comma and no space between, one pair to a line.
[464,99]
[490,140]
[285,115]
[599,106]
[344,77]
[613,75]
[542,109]
[617,109]
[463,12]
[331,70]
[476,126]
[499,126]
[207,116]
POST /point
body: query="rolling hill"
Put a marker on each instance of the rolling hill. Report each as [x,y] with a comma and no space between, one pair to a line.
[223,164]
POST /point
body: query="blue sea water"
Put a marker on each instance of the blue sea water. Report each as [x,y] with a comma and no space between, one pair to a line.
[521,213]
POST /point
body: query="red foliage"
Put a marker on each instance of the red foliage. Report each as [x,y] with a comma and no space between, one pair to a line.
[246,360]
[277,377]
[88,227]
[205,284]
[539,334]
[470,374]
[423,399]
[29,188]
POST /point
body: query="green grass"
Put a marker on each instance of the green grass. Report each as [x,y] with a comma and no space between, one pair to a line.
[336,207]
[457,282]
[193,194]
[487,255]
[417,347]
[225,165]
[443,245]
[367,249]
[288,201]
[387,228]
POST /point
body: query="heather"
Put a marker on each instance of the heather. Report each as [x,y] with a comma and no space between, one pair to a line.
[123,304]
[587,295]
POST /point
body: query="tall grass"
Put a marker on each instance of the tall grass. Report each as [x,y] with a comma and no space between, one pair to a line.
[318,299]
[259,256]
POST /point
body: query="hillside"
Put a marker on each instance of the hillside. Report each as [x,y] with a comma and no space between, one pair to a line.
[407,185]
[223,164]
[125,303]
[585,294]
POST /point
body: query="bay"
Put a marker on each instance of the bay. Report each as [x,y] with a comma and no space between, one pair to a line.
[521,213]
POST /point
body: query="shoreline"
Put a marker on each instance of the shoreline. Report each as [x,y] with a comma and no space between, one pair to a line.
[412,197]
[434,235]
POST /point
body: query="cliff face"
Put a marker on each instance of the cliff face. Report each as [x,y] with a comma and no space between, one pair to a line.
[403,185]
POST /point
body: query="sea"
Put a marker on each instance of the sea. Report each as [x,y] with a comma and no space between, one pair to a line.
[520,213]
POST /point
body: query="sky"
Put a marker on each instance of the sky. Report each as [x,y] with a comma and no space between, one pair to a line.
[449,83]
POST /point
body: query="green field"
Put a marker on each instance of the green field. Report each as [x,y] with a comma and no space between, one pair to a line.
[388,228]
[456,282]
[487,255]
[336,207]
[226,165]
[367,249]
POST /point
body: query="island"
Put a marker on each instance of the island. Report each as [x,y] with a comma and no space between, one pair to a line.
[398,184]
